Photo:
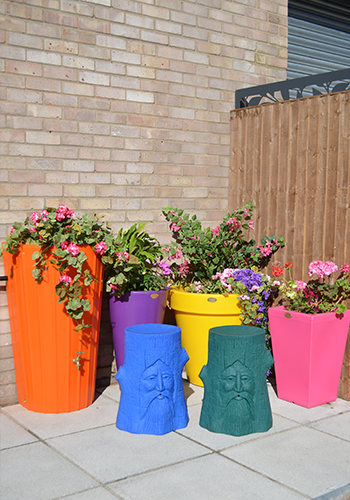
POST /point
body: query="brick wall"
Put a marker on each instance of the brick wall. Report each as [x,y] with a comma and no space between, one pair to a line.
[122,107]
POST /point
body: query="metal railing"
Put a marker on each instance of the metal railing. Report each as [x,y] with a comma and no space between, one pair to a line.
[324,83]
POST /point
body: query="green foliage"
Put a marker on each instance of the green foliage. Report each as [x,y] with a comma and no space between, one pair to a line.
[132,262]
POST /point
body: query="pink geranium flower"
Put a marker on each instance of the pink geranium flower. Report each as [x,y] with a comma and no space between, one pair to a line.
[35,218]
[100,248]
[64,278]
[322,269]
[44,215]
[73,249]
[63,212]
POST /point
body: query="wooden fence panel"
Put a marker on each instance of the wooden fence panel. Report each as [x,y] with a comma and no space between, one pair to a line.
[292,159]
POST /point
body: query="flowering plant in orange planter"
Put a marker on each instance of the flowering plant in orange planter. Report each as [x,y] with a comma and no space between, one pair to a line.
[60,235]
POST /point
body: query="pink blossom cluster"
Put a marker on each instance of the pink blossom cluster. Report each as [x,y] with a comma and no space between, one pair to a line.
[64,213]
[70,248]
[176,226]
[122,256]
[266,250]
[300,284]
[233,223]
[246,212]
[215,230]
[345,268]
[322,269]
[184,269]
[66,279]
[100,248]
[227,273]
[177,255]
[251,224]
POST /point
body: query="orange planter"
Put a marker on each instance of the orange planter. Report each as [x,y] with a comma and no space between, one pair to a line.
[43,338]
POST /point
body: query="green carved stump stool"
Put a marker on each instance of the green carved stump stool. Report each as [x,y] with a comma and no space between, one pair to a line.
[236,399]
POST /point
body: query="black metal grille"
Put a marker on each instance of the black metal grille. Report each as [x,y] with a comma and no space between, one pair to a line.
[325,83]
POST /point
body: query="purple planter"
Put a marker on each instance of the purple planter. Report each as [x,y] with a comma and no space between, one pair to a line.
[134,308]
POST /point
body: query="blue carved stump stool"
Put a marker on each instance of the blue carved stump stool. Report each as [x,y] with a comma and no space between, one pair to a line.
[236,400]
[152,396]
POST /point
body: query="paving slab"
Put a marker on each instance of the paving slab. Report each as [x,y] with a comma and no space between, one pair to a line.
[211,477]
[102,412]
[302,458]
[35,472]
[217,441]
[338,425]
[92,494]
[306,415]
[112,392]
[108,453]
[12,434]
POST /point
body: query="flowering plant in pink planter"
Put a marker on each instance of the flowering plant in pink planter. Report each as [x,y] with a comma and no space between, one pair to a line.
[324,292]
[60,235]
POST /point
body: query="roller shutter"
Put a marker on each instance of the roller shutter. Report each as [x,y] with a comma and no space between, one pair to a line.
[318,37]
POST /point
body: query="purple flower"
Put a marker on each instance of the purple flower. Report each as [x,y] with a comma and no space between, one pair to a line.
[248,277]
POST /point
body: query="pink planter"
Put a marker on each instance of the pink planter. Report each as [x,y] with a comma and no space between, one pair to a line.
[308,350]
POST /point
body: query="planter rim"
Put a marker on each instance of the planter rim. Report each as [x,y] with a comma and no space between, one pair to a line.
[143,291]
[196,294]
[297,313]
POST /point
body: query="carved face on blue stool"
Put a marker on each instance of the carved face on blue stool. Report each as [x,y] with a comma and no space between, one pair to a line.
[157,393]
[236,389]
[152,396]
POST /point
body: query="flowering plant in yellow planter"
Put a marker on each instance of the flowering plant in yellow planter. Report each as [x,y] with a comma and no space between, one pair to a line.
[223,260]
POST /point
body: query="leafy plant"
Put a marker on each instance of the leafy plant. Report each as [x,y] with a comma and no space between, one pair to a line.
[133,262]
[318,295]
[199,254]
[60,234]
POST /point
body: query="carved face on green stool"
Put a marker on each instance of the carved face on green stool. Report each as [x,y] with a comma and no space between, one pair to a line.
[236,388]
[235,399]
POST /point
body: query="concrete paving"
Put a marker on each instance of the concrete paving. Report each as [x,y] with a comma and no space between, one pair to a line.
[83,456]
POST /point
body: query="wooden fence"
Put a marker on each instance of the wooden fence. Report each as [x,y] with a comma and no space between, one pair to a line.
[292,159]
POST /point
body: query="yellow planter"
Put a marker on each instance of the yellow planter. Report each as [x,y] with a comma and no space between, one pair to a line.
[195,314]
